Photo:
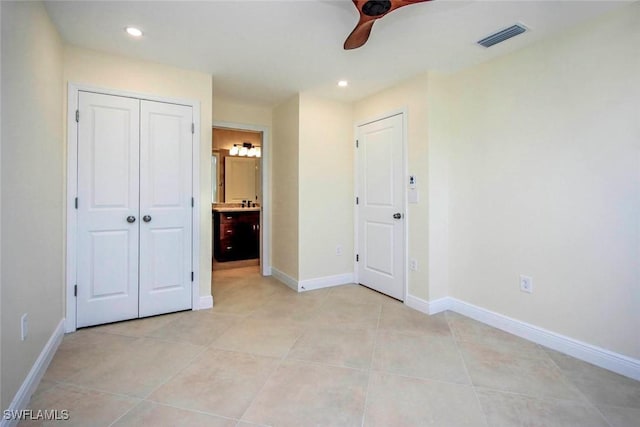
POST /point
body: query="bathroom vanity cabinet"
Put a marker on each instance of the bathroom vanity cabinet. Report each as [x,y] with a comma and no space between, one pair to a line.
[236,234]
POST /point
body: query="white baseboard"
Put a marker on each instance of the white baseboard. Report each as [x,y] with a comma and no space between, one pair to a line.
[266,271]
[428,307]
[598,356]
[417,304]
[206,302]
[439,305]
[30,383]
[312,284]
[285,278]
[325,282]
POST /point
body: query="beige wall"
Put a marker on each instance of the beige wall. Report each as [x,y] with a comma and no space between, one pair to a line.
[410,95]
[228,110]
[439,105]
[226,138]
[117,72]
[326,204]
[32,185]
[285,184]
[544,154]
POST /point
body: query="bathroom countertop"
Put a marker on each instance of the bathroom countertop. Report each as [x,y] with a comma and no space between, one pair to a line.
[236,209]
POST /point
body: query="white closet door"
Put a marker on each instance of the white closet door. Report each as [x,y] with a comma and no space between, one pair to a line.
[166,142]
[108,191]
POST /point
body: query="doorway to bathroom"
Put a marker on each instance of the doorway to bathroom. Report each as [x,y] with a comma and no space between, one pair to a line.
[239,210]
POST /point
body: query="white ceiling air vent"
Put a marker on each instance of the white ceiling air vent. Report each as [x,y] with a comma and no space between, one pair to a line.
[503,35]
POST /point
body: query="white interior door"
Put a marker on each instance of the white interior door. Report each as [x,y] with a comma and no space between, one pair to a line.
[381,247]
[108,191]
[166,144]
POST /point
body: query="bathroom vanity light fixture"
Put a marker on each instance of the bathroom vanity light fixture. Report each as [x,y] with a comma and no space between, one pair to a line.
[133,31]
[245,150]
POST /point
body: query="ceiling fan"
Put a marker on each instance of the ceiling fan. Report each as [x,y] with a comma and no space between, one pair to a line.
[370,11]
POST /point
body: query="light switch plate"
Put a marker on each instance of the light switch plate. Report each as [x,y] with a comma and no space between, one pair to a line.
[413,195]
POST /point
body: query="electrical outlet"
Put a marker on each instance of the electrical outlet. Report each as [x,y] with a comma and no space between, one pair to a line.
[24,327]
[526,284]
[413,264]
[339,250]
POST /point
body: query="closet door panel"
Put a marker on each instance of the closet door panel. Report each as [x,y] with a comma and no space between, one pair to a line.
[166,144]
[108,198]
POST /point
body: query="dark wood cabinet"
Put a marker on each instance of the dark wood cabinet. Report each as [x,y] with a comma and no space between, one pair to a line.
[236,235]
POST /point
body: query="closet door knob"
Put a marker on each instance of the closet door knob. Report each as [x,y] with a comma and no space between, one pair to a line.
[131,219]
[146,218]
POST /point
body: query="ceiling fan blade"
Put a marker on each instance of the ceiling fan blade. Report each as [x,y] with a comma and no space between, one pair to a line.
[359,35]
[370,11]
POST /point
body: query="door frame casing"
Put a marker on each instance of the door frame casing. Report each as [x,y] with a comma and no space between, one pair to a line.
[73,90]
[405,206]
[265,170]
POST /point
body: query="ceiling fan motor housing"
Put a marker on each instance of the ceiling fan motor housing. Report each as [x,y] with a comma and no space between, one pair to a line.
[376,7]
[370,11]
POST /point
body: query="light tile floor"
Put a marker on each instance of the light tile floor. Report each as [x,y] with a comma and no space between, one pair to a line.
[344,356]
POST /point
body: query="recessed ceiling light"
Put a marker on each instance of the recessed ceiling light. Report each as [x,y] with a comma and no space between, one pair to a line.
[343,83]
[133,31]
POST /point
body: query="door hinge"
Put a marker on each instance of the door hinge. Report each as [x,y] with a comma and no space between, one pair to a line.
[193,128]
[77,116]
[357,143]
[357,258]
[75,290]
[76,203]
[357,200]
[192,276]
[192,202]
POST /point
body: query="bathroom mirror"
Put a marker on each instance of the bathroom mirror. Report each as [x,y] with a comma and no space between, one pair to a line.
[240,179]
[235,177]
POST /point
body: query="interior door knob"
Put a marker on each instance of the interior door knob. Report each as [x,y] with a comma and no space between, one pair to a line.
[397,215]
[131,219]
[146,218]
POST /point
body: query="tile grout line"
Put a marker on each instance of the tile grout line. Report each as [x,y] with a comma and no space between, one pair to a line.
[98,390]
[421,379]
[466,369]
[369,371]
[273,372]
[106,392]
[586,398]
[329,365]
[104,329]
[198,411]
[169,378]
[126,413]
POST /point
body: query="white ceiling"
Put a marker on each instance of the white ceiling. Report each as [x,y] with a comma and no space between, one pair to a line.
[263,51]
